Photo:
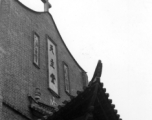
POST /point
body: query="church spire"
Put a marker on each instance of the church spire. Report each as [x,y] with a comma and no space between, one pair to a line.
[47,5]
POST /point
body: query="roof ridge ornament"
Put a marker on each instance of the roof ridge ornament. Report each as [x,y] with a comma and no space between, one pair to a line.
[47,5]
[97,73]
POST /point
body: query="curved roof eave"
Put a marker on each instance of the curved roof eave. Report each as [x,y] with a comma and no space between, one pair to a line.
[35,12]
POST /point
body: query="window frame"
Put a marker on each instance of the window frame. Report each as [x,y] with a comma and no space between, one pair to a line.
[69,86]
[36,64]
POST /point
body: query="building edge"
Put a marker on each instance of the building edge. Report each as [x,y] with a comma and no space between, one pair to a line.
[36,12]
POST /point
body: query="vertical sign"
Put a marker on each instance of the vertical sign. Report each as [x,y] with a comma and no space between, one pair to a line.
[52,66]
[66,78]
[36,50]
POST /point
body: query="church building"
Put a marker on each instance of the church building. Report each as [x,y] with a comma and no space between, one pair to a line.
[39,77]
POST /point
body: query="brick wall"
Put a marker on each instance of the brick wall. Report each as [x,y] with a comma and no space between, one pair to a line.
[10,114]
[4,20]
[20,77]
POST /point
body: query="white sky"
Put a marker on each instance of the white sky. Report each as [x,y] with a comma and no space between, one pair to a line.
[119,32]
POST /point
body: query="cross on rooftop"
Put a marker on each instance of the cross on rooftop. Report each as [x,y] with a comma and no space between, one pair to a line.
[47,5]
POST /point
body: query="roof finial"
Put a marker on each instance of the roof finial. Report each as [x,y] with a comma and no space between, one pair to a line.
[47,5]
[97,73]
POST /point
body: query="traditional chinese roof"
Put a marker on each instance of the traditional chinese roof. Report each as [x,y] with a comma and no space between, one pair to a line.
[91,104]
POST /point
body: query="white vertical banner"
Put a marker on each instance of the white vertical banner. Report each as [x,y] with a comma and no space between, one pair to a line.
[36,50]
[66,78]
[52,66]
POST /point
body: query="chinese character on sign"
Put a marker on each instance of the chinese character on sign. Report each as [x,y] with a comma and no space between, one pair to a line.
[52,63]
[66,74]
[51,48]
[36,54]
[66,79]
[53,78]
[53,102]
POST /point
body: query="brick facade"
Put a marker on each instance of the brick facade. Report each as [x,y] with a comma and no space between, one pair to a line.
[19,77]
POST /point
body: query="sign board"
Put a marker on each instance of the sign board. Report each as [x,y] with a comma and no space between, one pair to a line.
[66,78]
[36,50]
[52,66]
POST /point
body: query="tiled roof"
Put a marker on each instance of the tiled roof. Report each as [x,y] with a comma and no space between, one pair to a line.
[91,104]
